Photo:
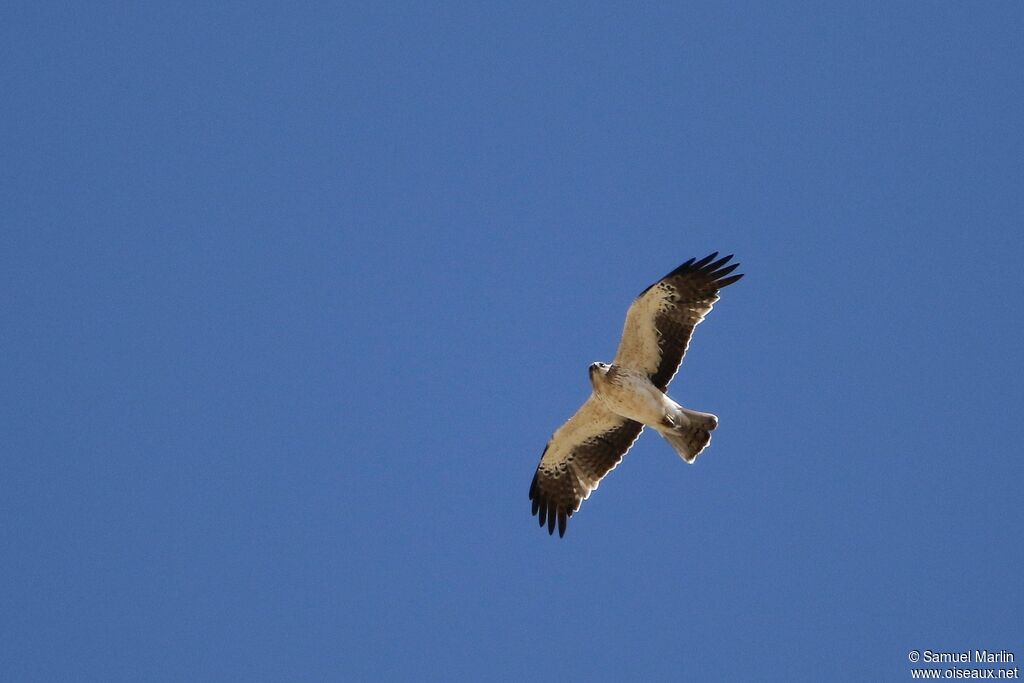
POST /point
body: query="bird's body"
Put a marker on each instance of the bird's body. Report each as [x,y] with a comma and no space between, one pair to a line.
[629,393]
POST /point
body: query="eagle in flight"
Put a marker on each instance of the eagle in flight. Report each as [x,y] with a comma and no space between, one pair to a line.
[629,393]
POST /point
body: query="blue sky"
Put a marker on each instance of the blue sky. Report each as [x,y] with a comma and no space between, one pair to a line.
[294,295]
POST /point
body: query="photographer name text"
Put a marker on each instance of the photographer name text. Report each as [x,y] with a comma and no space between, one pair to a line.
[967,656]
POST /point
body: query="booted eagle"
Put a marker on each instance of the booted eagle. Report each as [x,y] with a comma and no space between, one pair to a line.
[629,393]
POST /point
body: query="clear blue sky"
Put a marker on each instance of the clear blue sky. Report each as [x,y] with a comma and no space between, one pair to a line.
[293,295]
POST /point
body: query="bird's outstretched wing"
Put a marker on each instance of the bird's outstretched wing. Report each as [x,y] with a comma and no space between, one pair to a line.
[660,322]
[577,457]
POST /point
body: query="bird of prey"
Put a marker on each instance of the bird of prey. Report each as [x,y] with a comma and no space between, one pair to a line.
[629,393]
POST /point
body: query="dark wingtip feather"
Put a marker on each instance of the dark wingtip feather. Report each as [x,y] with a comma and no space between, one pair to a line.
[729,280]
[551,522]
[561,523]
[678,269]
[718,264]
[724,271]
[706,260]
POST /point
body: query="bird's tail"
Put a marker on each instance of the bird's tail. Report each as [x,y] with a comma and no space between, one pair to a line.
[689,432]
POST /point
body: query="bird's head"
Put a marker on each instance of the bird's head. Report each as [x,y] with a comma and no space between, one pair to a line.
[598,370]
